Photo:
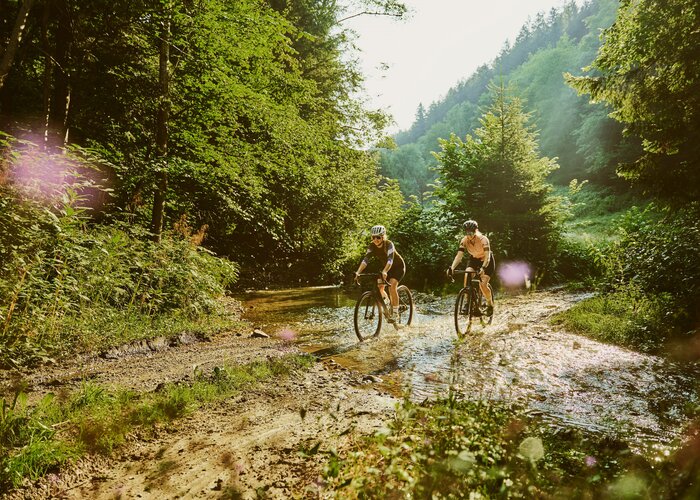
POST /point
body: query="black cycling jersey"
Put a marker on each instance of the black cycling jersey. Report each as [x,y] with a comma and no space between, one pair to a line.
[387,254]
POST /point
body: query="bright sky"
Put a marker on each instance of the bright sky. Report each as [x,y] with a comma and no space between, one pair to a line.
[441,43]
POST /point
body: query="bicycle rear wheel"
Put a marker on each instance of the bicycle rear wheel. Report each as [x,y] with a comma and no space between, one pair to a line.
[463,313]
[367,318]
[405,314]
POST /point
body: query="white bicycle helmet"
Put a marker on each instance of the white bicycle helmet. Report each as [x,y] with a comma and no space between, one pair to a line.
[378,230]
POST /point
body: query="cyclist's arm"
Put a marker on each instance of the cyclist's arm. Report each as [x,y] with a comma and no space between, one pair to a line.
[364,262]
[389,258]
[458,257]
[487,252]
[487,257]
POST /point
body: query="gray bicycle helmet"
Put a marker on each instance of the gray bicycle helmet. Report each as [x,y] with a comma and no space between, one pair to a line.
[470,225]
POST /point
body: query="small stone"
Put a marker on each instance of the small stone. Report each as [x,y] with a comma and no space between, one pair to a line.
[258,333]
[577,345]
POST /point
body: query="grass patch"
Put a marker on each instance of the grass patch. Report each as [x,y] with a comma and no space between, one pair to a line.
[98,328]
[35,441]
[468,449]
[595,213]
[626,318]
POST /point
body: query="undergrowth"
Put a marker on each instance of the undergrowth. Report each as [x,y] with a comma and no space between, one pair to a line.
[627,318]
[70,283]
[38,440]
[486,449]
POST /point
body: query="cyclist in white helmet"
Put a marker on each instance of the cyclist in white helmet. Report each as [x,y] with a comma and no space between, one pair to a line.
[393,265]
[480,259]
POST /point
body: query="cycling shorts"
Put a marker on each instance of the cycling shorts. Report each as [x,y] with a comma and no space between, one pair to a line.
[397,271]
[476,264]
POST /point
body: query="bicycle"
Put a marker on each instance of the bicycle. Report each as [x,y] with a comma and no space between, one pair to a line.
[470,304]
[371,308]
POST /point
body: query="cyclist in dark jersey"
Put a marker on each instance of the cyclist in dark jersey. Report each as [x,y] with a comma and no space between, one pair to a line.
[393,265]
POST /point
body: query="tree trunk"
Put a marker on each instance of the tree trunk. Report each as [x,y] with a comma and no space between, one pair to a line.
[162,134]
[60,97]
[8,56]
[48,69]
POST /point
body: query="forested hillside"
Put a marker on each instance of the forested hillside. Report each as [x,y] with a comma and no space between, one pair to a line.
[587,143]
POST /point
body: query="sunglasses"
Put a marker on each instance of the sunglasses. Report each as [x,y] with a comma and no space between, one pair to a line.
[376,237]
[471,233]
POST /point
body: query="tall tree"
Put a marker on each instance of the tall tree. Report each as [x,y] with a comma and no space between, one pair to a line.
[497,177]
[648,71]
[163,116]
[8,54]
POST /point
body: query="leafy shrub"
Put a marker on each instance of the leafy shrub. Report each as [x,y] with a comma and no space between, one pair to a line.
[578,262]
[650,286]
[658,254]
[427,243]
[57,265]
[481,449]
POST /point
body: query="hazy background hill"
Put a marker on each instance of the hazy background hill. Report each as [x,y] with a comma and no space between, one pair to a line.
[587,143]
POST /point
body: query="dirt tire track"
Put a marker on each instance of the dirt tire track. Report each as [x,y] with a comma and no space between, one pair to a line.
[235,448]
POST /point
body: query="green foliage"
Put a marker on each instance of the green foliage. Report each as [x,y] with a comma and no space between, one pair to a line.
[427,243]
[645,71]
[498,178]
[628,318]
[480,449]
[61,273]
[95,420]
[650,281]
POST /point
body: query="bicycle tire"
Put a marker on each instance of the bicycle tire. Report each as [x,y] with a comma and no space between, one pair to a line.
[405,313]
[367,316]
[463,312]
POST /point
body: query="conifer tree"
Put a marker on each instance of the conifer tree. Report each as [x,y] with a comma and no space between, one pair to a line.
[497,177]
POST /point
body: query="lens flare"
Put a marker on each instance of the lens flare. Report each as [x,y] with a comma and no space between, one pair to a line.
[515,274]
[287,334]
[54,175]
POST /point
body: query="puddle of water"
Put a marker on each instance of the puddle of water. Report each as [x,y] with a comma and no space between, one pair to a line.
[565,378]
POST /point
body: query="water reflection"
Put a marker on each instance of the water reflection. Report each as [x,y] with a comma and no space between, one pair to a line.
[563,377]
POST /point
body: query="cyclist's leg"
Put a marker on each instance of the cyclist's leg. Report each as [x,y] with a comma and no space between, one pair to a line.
[382,291]
[395,274]
[485,286]
[393,284]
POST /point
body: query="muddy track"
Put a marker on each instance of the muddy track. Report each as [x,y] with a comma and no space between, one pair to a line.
[236,448]
[254,443]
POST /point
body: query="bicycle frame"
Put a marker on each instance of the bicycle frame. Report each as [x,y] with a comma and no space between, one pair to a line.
[371,308]
[375,290]
[465,312]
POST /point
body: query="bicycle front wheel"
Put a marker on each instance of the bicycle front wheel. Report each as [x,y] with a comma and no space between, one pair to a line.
[368,318]
[463,313]
[405,314]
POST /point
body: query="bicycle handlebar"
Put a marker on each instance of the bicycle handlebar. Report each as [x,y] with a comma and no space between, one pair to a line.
[372,275]
[461,271]
[464,271]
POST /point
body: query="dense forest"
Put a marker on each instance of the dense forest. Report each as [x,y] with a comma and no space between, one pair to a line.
[156,155]
[586,141]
